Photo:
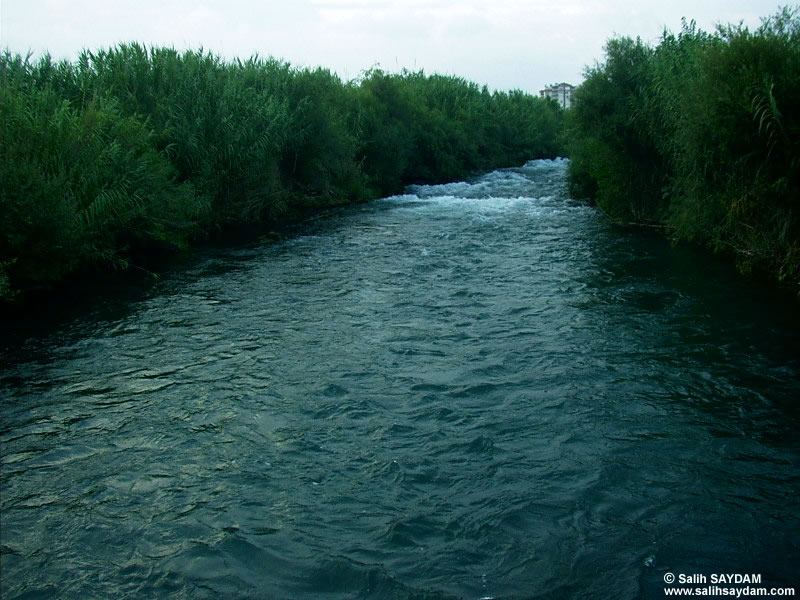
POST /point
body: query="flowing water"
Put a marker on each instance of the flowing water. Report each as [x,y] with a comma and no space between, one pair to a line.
[474,390]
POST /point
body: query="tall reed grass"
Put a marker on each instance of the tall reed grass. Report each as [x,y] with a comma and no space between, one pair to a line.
[134,151]
[700,135]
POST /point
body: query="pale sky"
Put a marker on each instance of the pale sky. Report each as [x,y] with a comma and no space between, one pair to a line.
[505,44]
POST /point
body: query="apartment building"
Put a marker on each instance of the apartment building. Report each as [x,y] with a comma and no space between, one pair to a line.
[560,92]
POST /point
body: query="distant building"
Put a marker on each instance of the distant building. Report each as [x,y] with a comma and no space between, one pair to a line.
[560,92]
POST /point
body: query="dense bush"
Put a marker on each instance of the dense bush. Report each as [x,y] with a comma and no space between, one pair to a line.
[133,151]
[81,187]
[700,134]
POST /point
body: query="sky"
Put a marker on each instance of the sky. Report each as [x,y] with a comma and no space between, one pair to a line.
[504,44]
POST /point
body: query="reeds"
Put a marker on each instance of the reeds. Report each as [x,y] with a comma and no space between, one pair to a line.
[701,134]
[131,151]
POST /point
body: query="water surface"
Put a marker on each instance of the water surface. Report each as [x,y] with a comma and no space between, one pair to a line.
[473,390]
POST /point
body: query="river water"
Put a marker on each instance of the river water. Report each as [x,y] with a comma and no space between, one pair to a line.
[473,390]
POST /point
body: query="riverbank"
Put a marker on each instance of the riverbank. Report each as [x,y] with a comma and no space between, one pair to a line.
[135,152]
[699,136]
[107,292]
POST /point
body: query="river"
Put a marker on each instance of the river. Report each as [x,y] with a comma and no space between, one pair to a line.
[473,390]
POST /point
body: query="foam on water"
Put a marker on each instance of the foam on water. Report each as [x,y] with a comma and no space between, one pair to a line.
[534,177]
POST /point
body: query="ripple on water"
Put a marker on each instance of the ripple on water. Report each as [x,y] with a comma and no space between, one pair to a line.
[472,390]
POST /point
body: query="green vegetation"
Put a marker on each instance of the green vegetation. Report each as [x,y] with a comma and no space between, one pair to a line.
[132,152]
[699,135]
